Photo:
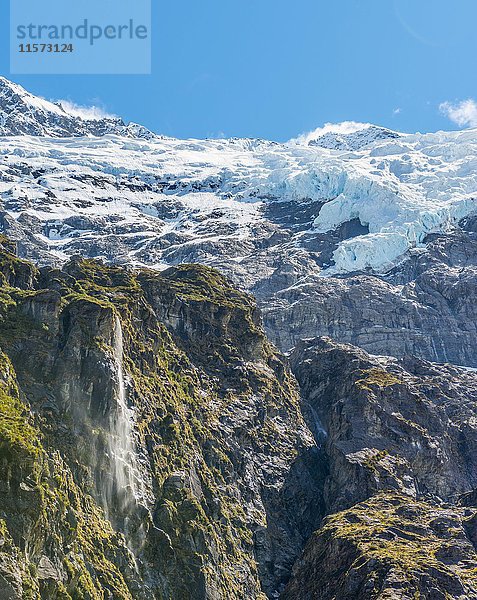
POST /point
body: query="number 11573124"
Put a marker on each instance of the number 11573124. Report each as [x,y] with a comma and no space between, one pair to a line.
[49,48]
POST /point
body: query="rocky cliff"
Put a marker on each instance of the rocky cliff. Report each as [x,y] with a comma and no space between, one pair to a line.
[154,444]
[425,306]
[400,440]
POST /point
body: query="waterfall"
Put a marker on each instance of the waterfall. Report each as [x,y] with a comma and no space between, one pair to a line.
[318,429]
[127,487]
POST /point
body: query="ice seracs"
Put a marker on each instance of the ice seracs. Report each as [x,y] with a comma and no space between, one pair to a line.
[210,190]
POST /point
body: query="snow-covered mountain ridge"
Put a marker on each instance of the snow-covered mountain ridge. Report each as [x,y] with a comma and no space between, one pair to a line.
[22,113]
[349,136]
[288,222]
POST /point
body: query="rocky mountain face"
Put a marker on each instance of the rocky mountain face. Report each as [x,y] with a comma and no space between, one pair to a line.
[425,306]
[400,440]
[154,444]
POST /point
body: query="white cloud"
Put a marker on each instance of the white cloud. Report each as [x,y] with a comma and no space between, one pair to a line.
[463,114]
[397,111]
[216,135]
[90,113]
[340,128]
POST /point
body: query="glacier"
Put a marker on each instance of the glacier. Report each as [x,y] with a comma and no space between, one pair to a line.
[402,189]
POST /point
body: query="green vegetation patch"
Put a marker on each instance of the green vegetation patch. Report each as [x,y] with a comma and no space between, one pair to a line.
[378,378]
[395,530]
[17,434]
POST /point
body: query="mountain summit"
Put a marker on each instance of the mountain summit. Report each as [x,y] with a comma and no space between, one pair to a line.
[348,136]
[22,113]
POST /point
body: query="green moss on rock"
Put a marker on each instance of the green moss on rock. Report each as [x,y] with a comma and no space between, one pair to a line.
[390,545]
[17,434]
[377,378]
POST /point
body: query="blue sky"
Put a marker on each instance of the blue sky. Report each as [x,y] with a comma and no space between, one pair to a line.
[275,68]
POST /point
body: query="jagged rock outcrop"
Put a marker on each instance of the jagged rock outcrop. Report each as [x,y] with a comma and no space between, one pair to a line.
[400,440]
[389,547]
